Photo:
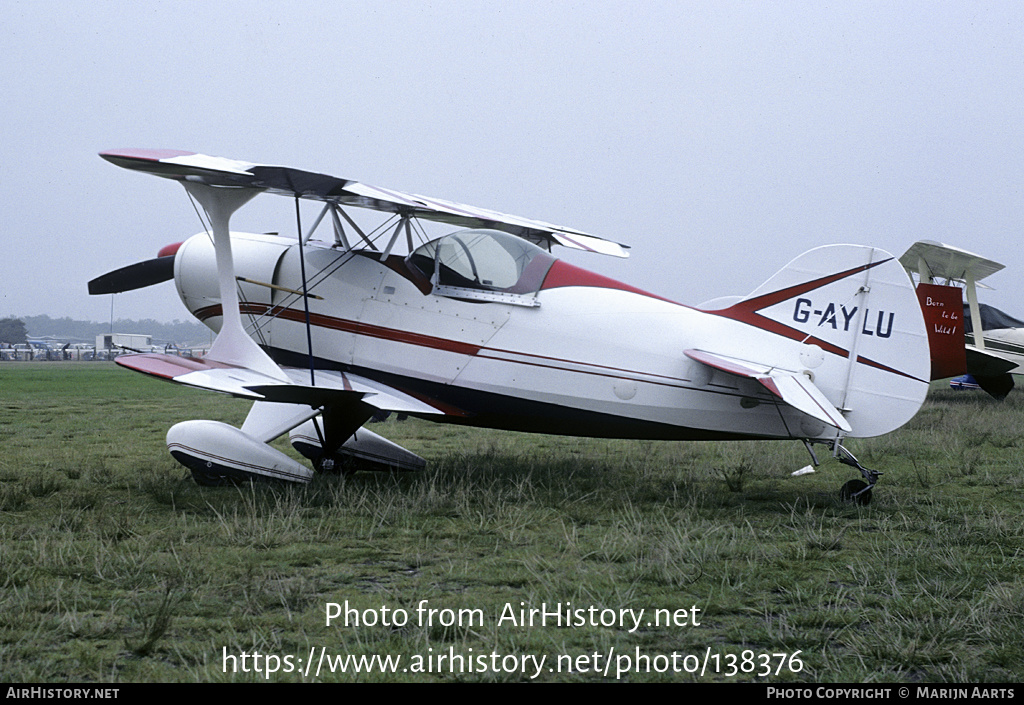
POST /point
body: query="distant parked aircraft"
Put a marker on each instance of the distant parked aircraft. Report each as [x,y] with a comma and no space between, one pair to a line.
[990,358]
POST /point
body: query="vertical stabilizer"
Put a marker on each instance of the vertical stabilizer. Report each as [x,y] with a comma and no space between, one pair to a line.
[854,327]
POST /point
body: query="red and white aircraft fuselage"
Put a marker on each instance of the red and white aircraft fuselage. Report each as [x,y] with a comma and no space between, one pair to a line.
[580,355]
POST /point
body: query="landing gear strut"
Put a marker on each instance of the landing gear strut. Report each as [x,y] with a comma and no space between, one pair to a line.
[858,491]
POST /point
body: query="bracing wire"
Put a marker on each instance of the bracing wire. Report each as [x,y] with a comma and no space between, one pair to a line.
[207,227]
[305,292]
[311,283]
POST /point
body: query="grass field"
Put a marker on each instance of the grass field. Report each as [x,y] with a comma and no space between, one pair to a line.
[114,566]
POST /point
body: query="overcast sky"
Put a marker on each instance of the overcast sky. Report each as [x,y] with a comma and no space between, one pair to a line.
[719,140]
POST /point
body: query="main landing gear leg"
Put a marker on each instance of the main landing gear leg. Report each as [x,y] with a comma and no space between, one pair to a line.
[858,491]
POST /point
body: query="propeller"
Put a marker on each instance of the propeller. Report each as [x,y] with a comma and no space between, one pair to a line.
[134,276]
[138,275]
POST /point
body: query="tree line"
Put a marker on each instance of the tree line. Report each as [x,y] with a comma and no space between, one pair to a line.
[17,330]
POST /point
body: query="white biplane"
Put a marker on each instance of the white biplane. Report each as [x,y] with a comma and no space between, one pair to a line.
[991,357]
[484,326]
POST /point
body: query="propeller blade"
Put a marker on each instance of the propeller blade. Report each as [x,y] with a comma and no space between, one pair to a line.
[134,276]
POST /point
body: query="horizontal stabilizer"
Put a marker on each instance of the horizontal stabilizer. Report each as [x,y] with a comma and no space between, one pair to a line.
[982,363]
[849,313]
[794,388]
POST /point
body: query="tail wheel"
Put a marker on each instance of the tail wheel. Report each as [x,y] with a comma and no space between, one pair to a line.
[856,491]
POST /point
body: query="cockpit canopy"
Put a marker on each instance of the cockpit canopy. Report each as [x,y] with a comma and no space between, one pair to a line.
[489,261]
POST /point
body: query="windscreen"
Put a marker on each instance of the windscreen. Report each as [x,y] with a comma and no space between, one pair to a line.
[484,259]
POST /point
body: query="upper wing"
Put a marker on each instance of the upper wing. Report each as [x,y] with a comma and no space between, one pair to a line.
[217,171]
[947,262]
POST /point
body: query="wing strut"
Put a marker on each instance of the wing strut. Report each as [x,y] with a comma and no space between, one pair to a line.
[232,346]
[972,303]
[339,231]
[403,223]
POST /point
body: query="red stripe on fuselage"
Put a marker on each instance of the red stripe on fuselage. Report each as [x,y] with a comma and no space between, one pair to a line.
[452,346]
[563,274]
[347,326]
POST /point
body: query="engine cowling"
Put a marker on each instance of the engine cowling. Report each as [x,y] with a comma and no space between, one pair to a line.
[218,454]
[256,259]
